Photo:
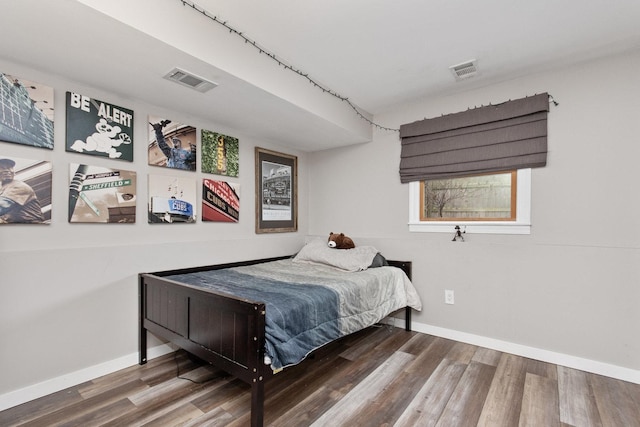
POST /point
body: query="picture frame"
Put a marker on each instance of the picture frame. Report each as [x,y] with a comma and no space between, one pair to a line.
[28,117]
[172,199]
[220,201]
[220,153]
[276,192]
[101,195]
[172,144]
[26,186]
[98,128]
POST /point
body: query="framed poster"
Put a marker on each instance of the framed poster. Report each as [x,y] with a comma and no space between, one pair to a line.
[276,192]
[172,144]
[26,112]
[25,191]
[97,128]
[101,195]
[220,201]
[220,154]
[172,199]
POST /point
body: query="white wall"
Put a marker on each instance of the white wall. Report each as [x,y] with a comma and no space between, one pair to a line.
[68,292]
[572,287]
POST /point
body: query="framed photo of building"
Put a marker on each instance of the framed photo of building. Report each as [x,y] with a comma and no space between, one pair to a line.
[276,192]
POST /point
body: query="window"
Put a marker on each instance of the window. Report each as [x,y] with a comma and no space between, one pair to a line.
[511,136]
[498,203]
[484,197]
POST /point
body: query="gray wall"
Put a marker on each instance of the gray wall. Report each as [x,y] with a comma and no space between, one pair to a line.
[572,286]
[68,295]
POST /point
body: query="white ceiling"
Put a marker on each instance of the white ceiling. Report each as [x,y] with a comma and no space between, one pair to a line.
[377,53]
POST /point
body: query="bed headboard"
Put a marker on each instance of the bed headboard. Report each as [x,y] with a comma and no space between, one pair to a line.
[403,265]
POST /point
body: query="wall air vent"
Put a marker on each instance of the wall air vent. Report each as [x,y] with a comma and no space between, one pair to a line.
[465,70]
[188,79]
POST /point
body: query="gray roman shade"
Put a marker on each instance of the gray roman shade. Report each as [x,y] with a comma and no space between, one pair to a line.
[511,135]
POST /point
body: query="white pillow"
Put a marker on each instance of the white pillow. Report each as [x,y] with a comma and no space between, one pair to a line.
[356,259]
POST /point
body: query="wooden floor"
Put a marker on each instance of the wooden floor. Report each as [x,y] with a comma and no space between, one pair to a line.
[379,377]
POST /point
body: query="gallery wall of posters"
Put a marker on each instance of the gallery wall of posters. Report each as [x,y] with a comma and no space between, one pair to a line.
[98,128]
[220,154]
[171,199]
[220,201]
[172,144]
[25,191]
[102,195]
[106,194]
[26,112]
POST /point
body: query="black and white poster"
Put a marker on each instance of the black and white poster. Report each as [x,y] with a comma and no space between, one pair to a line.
[98,128]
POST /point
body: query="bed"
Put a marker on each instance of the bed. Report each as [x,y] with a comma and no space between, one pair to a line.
[254,318]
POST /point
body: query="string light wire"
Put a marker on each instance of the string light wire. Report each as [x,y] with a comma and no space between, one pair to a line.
[283,64]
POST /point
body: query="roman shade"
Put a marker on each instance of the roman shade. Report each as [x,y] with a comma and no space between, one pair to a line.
[511,135]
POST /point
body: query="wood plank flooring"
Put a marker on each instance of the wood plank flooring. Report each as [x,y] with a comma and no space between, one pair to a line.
[382,376]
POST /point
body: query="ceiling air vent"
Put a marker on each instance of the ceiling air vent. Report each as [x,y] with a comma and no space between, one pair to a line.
[188,79]
[465,70]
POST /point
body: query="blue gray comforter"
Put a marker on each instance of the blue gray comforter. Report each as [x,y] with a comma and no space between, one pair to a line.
[310,305]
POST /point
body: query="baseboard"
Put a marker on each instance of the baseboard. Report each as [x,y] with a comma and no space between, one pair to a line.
[27,394]
[587,365]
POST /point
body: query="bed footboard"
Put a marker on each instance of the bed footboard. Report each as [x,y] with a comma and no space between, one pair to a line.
[223,330]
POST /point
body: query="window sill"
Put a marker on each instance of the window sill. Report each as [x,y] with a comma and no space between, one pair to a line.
[522,224]
[471,227]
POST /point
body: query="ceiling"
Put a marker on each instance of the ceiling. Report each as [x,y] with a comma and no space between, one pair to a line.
[377,54]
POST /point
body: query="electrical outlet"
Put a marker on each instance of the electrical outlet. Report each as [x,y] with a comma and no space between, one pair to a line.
[448,296]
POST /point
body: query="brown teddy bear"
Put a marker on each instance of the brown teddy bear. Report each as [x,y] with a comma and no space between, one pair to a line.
[340,241]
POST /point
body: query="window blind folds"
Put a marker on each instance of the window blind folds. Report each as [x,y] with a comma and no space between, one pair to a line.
[511,135]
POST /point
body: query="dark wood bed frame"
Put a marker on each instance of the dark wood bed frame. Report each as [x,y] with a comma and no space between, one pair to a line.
[223,330]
